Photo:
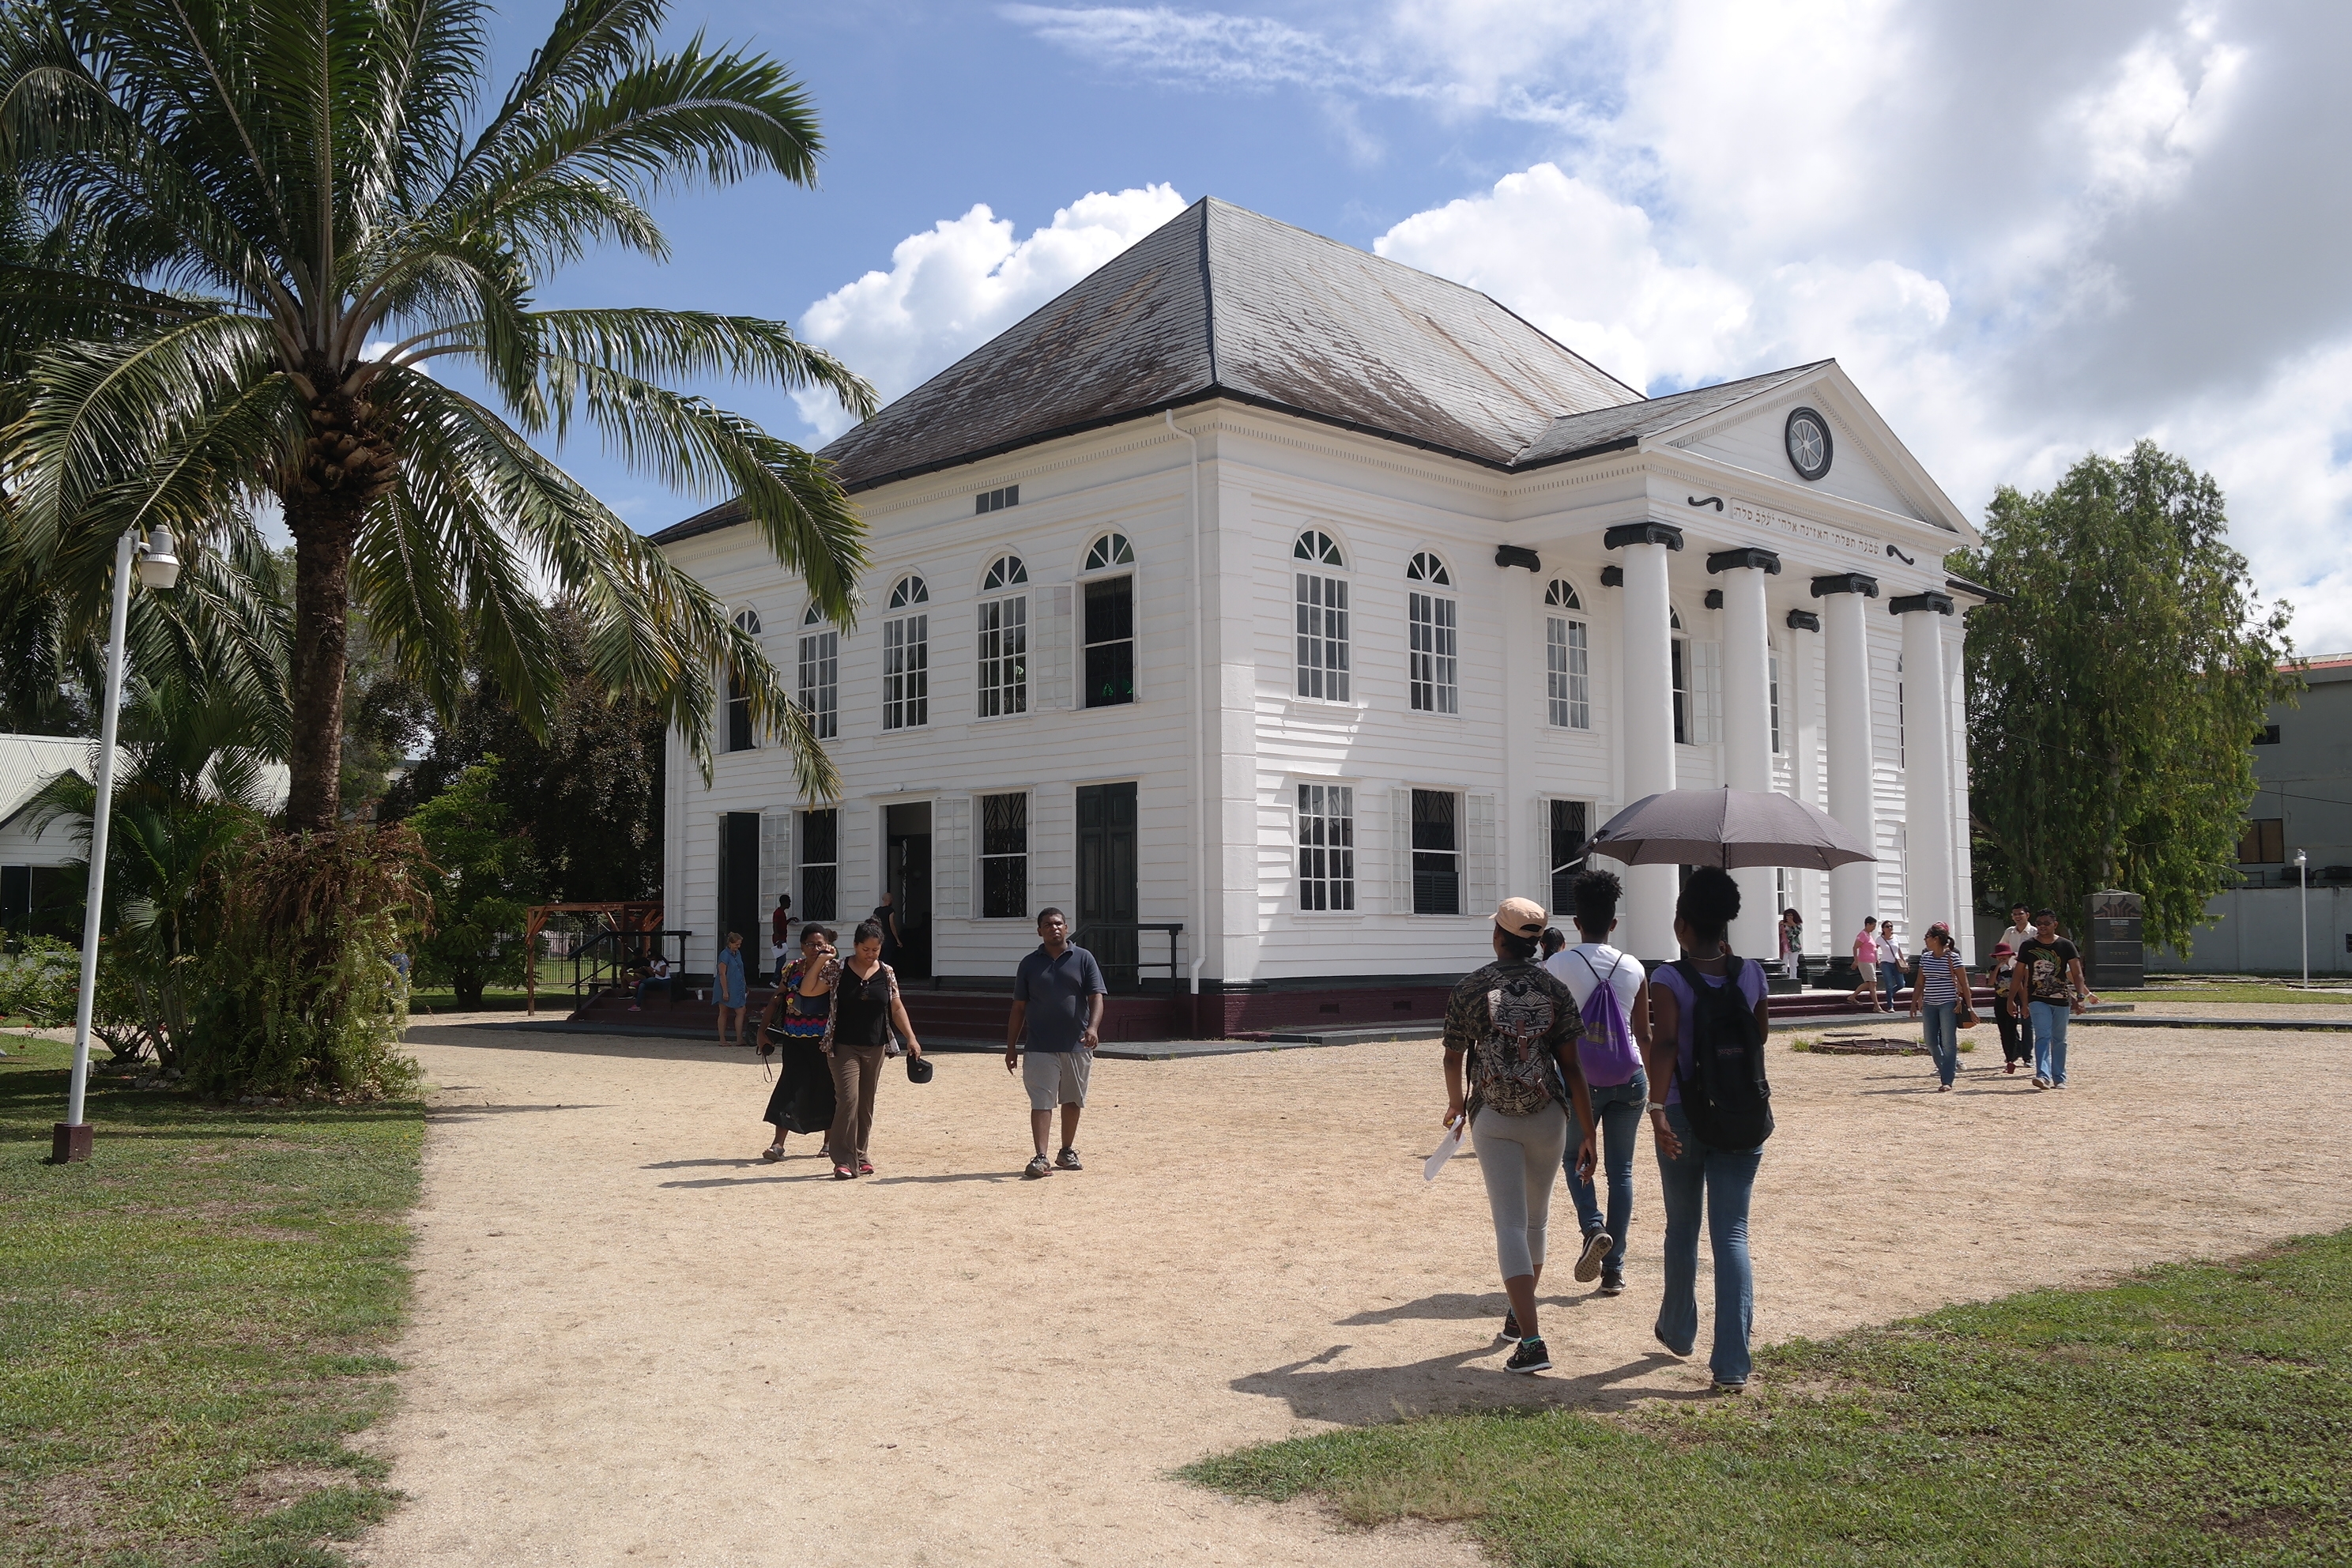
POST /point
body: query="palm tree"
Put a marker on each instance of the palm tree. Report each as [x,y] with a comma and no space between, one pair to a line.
[320,209]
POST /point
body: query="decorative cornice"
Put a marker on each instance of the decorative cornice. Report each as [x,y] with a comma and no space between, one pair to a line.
[1509,555]
[1626,534]
[1764,561]
[1845,582]
[1904,603]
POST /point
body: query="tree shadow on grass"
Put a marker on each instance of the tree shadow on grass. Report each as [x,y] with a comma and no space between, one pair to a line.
[1446,1385]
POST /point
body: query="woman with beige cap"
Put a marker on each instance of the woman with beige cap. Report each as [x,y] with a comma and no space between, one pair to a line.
[1516,1022]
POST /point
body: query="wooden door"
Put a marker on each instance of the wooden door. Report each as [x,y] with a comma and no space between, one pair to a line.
[1107,909]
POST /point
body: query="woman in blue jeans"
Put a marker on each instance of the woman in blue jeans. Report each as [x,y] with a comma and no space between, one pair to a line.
[1618,1084]
[1692,1176]
[1939,983]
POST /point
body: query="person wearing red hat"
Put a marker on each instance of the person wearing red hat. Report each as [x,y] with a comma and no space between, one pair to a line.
[1517,1025]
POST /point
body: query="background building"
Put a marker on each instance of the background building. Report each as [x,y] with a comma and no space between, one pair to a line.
[1262,586]
[2303,800]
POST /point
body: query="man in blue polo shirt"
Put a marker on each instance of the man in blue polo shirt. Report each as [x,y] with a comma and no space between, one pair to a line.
[1057,1007]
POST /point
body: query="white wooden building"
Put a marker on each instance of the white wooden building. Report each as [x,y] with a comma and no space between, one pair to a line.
[1264,586]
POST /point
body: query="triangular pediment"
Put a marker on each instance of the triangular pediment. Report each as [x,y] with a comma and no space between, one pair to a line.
[1867,465]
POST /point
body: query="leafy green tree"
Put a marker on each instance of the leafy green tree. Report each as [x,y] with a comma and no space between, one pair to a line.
[587,793]
[2112,696]
[316,207]
[190,795]
[482,880]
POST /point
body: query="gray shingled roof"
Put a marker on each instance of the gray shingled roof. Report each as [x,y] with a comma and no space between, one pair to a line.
[1224,302]
[1574,435]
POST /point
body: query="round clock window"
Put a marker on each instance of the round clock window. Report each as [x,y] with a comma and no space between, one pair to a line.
[1807,440]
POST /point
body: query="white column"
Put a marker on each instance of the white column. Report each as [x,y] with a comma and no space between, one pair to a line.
[1748,727]
[1926,763]
[1846,687]
[1648,912]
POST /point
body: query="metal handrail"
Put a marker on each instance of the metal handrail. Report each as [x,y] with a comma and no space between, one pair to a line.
[1133,971]
[605,968]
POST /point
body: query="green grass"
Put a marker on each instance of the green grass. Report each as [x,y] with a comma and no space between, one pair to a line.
[2156,996]
[495,999]
[2192,1414]
[194,1323]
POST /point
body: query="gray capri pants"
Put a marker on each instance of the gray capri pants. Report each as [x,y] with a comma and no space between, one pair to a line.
[1519,1156]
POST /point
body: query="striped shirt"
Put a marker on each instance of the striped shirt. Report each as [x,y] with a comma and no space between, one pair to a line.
[1939,979]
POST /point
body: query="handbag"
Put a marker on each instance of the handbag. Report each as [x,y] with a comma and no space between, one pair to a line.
[918,1069]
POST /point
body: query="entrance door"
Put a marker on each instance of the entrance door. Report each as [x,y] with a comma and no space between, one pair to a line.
[739,890]
[1106,901]
[906,872]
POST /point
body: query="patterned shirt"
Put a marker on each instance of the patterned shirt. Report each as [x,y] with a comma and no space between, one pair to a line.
[1512,1017]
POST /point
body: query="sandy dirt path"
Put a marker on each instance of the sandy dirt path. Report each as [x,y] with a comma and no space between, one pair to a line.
[635,1345]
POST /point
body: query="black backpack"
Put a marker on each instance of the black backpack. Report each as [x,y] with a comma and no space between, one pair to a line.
[1728,1102]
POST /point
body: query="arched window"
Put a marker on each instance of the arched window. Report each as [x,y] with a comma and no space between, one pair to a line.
[1432,643]
[1567,659]
[1109,657]
[1003,621]
[739,734]
[1322,614]
[907,657]
[1319,547]
[819,685]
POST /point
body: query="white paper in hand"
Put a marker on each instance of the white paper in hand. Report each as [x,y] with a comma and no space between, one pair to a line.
[1445,1151]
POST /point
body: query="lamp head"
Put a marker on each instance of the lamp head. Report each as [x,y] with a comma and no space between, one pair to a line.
[158,566]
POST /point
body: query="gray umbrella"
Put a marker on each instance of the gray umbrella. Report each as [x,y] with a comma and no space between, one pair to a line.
[1726,827]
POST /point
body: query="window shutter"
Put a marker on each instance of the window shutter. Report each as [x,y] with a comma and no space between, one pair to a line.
[1049,650]
[1480,852]
[775,856]
[951,856]
[1707,692]
[1401,853]
[1538,859]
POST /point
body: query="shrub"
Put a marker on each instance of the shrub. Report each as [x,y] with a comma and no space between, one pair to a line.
[300,994]
[37,981]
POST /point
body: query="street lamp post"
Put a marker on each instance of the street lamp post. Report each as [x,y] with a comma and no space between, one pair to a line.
[158,567]
[2302,897]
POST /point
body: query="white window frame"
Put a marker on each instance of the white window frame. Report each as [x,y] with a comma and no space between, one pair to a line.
[1432,639]
[1325,843]
[1001,641]
[1567,660]
[731,701]
[981,858]
[1110,556]
[907,657]
[818,688]
[1773,692]
[1459,853]
[1320,657]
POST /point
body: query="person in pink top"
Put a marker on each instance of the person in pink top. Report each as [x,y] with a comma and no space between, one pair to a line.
[1865,964]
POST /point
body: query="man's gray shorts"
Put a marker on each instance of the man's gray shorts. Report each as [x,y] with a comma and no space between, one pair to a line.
[1056,1078]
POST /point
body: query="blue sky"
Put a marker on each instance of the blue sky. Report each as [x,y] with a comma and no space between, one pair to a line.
[2027,230]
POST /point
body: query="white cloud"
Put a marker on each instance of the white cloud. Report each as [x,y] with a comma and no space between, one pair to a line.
[959,283]
[2027,231]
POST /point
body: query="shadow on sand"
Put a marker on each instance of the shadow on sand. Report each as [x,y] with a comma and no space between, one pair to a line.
[1359,1396]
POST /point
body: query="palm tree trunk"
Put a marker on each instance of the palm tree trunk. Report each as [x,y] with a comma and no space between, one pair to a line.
[347,465]
[323,527]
